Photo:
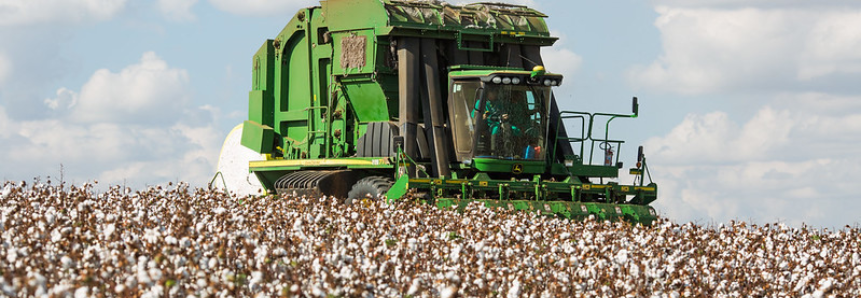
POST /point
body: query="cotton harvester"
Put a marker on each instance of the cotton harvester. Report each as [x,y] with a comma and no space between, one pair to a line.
[378,98]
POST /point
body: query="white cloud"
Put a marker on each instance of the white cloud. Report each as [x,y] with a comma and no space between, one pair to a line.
[756,3]
[114,152]
[734,47]
[5,124]
[193,162]
[792,161]
[27,12]
[5,68]
[710,137]
[561,60]
[147,92]
[262,7]
[832,46]
[177,10]
[65,99]
[137,125]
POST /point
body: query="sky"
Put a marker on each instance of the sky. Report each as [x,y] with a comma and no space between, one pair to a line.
[749,110]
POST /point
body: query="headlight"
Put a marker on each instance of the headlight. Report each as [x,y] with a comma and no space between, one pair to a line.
[554,83]
[506,81]
[496,80]
[515,80]
[547,82]
[569,163]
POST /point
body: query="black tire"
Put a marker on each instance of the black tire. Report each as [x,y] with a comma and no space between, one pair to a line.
[381,140]
[377,140]
[374,186]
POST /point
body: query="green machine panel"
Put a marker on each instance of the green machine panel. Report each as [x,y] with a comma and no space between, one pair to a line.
[258,137]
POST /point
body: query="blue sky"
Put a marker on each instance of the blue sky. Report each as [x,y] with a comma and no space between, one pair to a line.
[750,110]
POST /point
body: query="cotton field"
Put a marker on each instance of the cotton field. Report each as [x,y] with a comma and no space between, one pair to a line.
[174,241]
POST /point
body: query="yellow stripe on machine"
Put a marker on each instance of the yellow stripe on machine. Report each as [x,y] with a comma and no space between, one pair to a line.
[426,180]
[317,162]
[602,186]
[512,33]
[591,186]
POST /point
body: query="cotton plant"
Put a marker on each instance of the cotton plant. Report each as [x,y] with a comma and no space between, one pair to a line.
[176,241]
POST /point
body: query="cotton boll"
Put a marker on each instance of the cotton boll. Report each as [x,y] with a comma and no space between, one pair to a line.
[108,230]
[514,290]
[298,225]
[256,277]
[455,254]
[7,190]
[66,261]
[824,287]
[185,242]
[449,292]
[152,236]
[170,240]
[414,287]
[82,292]
[621,257]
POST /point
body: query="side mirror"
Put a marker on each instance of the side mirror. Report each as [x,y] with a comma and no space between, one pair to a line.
[635,106]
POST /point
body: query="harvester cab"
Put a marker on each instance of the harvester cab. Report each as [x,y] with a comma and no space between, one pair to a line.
[500,115]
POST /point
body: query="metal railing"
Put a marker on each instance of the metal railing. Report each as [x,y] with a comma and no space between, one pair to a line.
[586,134]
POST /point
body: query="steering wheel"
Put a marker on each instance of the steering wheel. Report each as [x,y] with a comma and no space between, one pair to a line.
[532,132]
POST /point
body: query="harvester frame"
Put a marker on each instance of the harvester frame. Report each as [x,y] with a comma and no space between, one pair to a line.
[401,99]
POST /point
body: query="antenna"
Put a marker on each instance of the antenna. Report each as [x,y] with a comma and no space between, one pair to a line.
[530,60]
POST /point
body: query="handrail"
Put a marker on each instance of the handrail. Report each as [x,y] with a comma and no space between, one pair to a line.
[211,182]
[586,132]
[583,135]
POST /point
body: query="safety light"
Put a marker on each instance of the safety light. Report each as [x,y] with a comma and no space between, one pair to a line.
[537,71]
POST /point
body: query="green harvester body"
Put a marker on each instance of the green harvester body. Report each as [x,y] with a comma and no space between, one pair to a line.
[441,103]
